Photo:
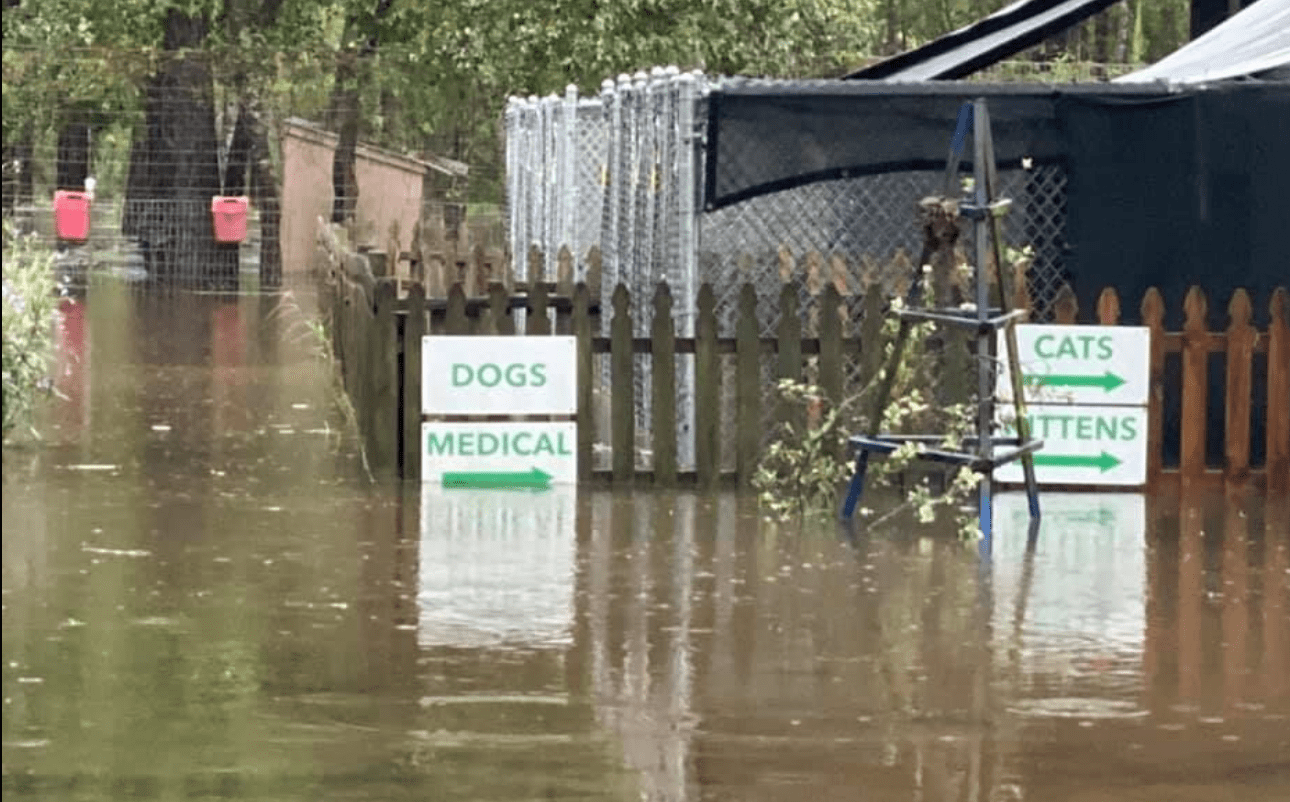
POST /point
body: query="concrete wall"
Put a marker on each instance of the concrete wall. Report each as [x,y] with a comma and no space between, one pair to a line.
[389,191]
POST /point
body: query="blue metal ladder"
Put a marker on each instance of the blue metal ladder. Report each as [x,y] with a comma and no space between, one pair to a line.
[979,453]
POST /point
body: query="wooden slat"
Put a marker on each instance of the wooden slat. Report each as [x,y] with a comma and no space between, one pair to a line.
[1214,342]
[830,365]
[537,265]
[663,386]
[1195,386]
[365,362]
[622,405]
[414,329]
[582,330]
[1108,307]
[564,271]
[499,310]
[1278,409]
[384,383]
[707,390]
[1153,316]
[538,322]
[1240,378]
[871,336]
[748,387]
[789,361]
[1066,306]
[455,320]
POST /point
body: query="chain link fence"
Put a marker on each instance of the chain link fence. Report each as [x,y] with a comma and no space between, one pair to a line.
[864,230]
[621,172]
[616,172]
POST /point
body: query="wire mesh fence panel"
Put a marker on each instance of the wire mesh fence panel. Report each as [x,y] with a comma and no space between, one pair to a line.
[619,172]
[590,178]
[1038,221]
[870,222]
[152,244]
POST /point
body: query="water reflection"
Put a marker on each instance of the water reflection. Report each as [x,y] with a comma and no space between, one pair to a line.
[204,595]
[738,659]
[497,568]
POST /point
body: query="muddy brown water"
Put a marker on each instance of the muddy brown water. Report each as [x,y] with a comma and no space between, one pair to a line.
[205,597]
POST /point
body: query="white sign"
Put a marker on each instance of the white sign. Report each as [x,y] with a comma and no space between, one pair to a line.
[1079,364]
[1083,445]
[493,573]
[470,375]
[505,454]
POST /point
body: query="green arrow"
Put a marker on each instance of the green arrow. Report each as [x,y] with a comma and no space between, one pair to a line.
[533,480]
[1104,461]
[1107,381]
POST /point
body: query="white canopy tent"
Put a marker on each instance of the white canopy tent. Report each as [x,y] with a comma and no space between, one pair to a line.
[1254,41]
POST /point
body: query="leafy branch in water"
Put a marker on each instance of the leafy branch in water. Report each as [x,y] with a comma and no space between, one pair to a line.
[807,461]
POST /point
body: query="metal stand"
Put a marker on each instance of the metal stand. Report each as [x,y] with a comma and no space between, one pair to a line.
[985,211]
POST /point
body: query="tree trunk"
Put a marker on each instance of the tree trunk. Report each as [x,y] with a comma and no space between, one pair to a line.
[73,155]
[249,167]
[17,171]
[350,74]
[174,167]
[239,151]
[1102,33]
[1124,32]
[891,46]
[264,192]
[344,175]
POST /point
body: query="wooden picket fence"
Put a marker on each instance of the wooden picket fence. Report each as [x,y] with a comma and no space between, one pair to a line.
[376,336]
[1241,344]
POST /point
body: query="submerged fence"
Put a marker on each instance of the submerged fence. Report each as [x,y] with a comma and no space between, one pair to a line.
[376,335]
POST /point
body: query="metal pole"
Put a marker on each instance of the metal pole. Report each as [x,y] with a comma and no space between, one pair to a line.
[688,150]
[984,340]
[512,119]
[568,173]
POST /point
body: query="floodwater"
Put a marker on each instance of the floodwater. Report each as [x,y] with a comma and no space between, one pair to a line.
[204,596]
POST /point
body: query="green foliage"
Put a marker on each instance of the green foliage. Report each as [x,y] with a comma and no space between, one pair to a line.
[804,467]
[801,469]
[441,71]
[29,309]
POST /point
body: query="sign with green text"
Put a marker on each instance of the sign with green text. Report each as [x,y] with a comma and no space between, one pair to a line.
[1080,364]
[498,375]
[1083,445]
[520,455]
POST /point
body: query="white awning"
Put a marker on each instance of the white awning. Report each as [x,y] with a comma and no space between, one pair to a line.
[1254,40]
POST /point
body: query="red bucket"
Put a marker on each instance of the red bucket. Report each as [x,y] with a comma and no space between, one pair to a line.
[72,215]
[228,214]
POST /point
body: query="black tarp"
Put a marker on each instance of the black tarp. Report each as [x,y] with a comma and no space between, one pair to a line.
[1191,189]
[1166,187]
[769,136]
